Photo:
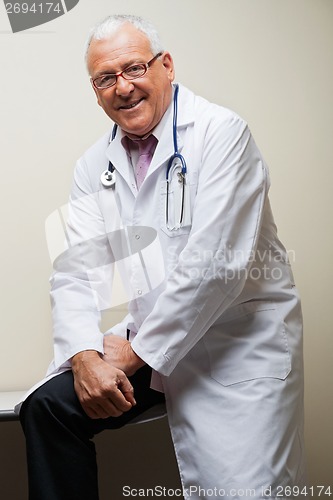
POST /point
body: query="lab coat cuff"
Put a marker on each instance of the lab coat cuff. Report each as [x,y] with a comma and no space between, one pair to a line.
[60,358]
[158,361]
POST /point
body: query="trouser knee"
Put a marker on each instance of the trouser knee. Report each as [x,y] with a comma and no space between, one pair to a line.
[56,400]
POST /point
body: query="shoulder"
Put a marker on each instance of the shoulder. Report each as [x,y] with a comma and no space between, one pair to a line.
[98,150]
[210,117]
[92,163]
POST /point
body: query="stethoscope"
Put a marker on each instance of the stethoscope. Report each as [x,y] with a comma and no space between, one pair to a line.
[176,161]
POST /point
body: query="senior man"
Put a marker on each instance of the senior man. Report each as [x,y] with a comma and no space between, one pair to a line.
[214,323]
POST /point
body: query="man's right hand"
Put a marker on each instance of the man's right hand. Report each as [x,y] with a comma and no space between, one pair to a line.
[103,391]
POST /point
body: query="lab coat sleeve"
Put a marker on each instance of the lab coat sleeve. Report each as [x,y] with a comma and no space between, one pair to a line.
[212,268]
[74,284]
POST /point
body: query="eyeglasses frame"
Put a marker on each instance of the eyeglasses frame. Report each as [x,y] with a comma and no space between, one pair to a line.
[120,73]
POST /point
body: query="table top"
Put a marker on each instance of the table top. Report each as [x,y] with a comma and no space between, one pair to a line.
[7,402]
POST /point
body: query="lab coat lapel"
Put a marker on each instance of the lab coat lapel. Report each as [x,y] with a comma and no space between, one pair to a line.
[118,157]
[165,147]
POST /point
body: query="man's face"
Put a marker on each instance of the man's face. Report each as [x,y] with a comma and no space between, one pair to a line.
[137,105]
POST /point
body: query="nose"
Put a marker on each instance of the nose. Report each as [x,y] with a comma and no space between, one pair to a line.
[123,87]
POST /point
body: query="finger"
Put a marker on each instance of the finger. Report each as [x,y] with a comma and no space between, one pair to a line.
[117,398]
[104,409]
[127,389]
[90,411]
[129,396]
[100,407]
[112,404]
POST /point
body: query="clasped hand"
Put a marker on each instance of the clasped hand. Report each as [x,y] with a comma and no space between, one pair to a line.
[119,353]
[101,382]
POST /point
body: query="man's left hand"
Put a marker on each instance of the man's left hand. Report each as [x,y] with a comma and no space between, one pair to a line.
[119,353]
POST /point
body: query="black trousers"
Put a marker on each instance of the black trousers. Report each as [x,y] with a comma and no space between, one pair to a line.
[60,453]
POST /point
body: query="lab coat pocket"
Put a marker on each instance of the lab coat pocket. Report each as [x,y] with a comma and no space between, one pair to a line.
[175,205]
[250,343]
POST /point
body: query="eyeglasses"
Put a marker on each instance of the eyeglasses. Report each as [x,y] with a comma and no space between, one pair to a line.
[131,73]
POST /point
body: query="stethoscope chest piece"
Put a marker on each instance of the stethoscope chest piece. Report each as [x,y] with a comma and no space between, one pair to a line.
[108,178]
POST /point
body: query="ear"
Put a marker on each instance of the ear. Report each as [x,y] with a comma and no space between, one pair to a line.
[167,62]
[96,93]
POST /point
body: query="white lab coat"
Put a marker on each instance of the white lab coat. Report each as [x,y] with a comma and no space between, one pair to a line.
[213,303]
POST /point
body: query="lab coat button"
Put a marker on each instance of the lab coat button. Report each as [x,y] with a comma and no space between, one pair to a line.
[137,236]
[139,292]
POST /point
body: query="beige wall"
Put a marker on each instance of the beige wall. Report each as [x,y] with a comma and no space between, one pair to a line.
[271,61]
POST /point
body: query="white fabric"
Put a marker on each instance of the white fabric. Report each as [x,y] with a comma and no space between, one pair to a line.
[214,303]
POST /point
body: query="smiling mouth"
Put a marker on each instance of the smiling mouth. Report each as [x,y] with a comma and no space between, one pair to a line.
[131,105]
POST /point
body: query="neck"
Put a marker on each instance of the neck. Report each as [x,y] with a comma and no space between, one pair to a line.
[167,104]
[138,137]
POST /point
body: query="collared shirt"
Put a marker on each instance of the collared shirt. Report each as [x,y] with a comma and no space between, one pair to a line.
[132,149]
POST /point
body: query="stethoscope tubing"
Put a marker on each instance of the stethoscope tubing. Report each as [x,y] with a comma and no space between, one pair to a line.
[108,177]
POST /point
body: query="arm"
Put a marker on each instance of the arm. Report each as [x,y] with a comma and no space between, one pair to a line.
[76,317]
[102,389]
[212,269]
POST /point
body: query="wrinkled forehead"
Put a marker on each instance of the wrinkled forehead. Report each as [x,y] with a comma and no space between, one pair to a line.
[127,42]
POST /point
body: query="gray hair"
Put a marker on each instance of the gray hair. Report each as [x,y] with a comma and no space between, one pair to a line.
[111,24]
